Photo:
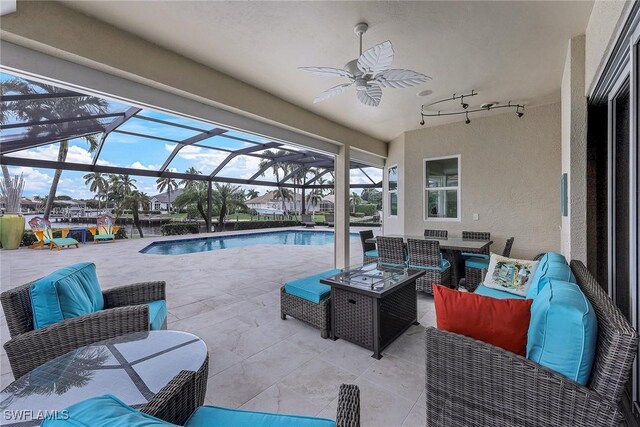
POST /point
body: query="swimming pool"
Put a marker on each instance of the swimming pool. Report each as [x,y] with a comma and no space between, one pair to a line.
[204,244]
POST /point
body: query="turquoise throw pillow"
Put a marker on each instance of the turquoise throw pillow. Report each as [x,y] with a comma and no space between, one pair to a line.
[551,270]
[103,411]
[66,293]
[563,331]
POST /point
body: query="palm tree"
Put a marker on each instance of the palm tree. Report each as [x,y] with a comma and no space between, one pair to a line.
[167,184]
[189,183]
[97,183]
[51,109]
[276,168]
[226,197]
[314,199]
[354,200]
[120,187]
[251,194]
[133,201]
[195,194]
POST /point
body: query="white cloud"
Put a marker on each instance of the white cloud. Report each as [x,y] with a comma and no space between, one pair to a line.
[34,180]
[138,165]
[75,154]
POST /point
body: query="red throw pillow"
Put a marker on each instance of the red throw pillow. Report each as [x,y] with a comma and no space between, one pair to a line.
[501,322]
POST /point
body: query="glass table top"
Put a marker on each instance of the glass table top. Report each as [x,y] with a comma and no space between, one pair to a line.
[132,367]
[374,277]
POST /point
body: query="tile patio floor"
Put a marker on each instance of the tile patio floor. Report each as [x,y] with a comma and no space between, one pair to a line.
[230,299]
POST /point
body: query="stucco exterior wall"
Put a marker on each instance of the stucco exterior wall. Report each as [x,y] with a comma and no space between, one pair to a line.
[396,156]
[574,151]
[606,16]
[510,174]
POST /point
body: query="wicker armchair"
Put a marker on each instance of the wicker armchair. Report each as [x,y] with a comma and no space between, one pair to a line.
[174,403]
[391,250]
[473,271]
[425,254]
[368,249]
[491,386]
[125,311]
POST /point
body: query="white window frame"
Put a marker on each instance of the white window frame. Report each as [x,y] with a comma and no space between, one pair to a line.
[389,192]
[425,189]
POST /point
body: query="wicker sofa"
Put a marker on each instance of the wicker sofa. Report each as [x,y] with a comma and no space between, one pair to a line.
[490,386]
[125,311]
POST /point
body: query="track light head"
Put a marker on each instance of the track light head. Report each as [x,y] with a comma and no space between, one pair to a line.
[465,105]
[467,121]
[519,113]
[422,122]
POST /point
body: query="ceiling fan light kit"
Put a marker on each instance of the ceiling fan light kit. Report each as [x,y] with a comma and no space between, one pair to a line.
[464,107]
[369,73]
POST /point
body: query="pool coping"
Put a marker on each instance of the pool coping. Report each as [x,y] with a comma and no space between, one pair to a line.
[233,235]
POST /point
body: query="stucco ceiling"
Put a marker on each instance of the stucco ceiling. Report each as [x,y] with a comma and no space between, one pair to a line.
[503,50]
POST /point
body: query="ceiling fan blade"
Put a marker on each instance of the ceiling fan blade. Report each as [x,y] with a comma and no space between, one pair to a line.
[371,96]
[376,59]
[396,78]
[330,93]
[327,71]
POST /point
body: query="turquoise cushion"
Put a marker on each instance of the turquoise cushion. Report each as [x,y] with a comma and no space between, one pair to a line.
[212,416]
[467,255]
[373,253]
[444,265]
[551,269]
[157,314]
[62,241]
[104,237]
[563,331]
[495,293]
[310,288]
[104,411]
[478,263]
[66,293]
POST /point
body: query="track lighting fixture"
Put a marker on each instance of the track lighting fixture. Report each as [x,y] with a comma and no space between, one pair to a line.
[465,108]
[462,103]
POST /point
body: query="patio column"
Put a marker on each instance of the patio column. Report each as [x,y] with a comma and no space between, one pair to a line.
[303,211]
[209,207]
[341,207]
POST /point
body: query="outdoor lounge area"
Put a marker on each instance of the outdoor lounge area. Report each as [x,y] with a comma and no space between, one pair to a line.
[319,214]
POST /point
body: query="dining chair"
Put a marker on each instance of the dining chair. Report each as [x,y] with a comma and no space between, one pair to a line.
[391,250]
[369,252]
[425,255]
[476,235]
[438,234]
[473,266]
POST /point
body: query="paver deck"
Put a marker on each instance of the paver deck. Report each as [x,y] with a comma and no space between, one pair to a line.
[230,298]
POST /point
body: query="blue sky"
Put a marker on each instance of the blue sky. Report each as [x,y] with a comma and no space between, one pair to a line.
[143,153]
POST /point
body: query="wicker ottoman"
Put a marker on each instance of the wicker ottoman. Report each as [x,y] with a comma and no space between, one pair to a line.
[316,315]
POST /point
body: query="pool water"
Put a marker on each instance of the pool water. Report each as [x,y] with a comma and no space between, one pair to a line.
[204,244]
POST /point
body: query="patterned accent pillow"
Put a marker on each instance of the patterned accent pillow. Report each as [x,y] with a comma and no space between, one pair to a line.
[510,274]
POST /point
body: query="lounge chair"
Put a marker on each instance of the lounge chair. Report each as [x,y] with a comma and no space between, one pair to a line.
[307,221]
[330,220]
[42,229]
[106,230]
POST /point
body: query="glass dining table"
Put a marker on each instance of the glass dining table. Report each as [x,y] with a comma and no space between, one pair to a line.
[452,248]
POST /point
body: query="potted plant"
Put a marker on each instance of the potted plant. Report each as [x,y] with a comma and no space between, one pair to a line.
[11,221]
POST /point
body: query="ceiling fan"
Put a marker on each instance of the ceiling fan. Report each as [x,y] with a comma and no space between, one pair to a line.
[369,73]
